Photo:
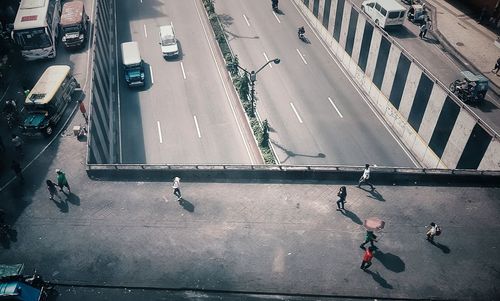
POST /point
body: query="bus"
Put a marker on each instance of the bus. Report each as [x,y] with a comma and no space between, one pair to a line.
[47,101]
[36,28]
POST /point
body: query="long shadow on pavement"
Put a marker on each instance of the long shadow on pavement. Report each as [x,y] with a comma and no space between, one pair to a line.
[390,261]
[442,247]
[62,205]
[352,216]
[374,194]
[379,279]
[73,199]
[186,205]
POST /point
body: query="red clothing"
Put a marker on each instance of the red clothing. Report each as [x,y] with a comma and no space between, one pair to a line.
[82,108]
[368,255]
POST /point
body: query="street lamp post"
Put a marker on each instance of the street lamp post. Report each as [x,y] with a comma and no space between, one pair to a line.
[253,78]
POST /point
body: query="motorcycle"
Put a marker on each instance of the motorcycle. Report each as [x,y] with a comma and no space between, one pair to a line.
[37,281]
[12,119]
[274,4]
[301,33]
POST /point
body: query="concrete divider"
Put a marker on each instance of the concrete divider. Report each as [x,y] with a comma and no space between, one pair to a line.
[297,174]
[439,129]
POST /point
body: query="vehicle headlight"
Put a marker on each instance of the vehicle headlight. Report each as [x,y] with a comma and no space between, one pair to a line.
[142,76]
[80,37]
[64,39]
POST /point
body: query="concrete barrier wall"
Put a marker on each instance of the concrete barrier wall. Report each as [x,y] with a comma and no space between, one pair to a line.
[295,174]
[435,126]
[102,136]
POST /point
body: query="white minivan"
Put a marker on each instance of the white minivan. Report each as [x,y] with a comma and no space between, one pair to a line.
[168,42]
[384,12]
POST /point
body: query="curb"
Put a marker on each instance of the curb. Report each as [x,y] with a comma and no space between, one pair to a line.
[457,56]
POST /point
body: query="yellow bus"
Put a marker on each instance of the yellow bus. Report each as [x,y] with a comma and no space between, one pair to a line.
[47,101]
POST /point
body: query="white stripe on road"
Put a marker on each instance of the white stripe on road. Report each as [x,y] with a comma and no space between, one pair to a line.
[246,20]
[151,71]
[302,57]
[267,60]
[222,80]
[183,73]
[276,16]
[159,131]
[296,113]
[145,31]
[336,109]
[197,127]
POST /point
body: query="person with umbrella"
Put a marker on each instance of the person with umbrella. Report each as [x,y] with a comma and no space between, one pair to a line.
[372,224]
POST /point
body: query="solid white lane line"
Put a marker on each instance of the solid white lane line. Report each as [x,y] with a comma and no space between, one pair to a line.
[267,60]
[336,109]
[228,98]
[145,31]
[302,57]
[159,131]
[276,16]
[151,71]
[197,127]
[246,20]
[183,73]
[296,113]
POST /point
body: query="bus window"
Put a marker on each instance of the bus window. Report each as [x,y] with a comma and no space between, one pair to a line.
[32,38]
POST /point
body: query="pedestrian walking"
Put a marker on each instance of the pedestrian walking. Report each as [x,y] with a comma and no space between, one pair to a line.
[52,188]
[423,30]
[177,188]
[16,167]
[84,112]
[365,177]
[18,143]
[497,67]
[433,230]
[342,194]
[62,181]
[370,237]
[367,258]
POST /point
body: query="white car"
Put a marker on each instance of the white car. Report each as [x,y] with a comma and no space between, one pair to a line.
[168,42]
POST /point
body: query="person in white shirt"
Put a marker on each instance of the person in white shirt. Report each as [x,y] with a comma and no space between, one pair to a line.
[364,178]
[177,188]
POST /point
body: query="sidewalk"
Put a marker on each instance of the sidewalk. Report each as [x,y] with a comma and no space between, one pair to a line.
[283,238]
[471,43]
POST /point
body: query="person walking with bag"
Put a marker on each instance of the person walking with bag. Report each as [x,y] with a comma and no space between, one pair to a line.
[497,67]
[342,194]
[364,178]
[434,230]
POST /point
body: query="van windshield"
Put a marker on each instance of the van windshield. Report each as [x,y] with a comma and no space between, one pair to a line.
[73,28]
[168,41]
[393,14]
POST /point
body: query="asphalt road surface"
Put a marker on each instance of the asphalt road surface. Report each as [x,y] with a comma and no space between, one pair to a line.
[316,114]
[186,113]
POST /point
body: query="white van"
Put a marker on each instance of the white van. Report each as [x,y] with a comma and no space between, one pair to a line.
[132,64]
[168,42]
[384,12]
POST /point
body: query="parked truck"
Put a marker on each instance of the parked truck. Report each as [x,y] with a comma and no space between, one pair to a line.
[74,24]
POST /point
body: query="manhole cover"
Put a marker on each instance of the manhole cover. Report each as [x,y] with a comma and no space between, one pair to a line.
[460,44]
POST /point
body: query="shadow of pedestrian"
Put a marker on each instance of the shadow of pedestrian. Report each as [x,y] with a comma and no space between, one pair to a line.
[62,205]
[352,216]
[73,199]
[390,261]
[379,279]
[442,247]
[375,195]
[186,205]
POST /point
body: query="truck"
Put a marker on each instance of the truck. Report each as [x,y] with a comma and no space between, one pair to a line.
[74,24]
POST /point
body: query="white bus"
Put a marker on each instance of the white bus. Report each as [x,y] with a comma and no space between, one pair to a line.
[36,28]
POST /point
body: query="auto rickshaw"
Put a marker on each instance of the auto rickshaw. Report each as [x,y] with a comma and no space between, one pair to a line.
[472,88]
[417,14]
[15,286]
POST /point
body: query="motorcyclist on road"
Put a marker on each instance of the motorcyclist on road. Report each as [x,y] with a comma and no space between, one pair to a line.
[10,107]
[301,31]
